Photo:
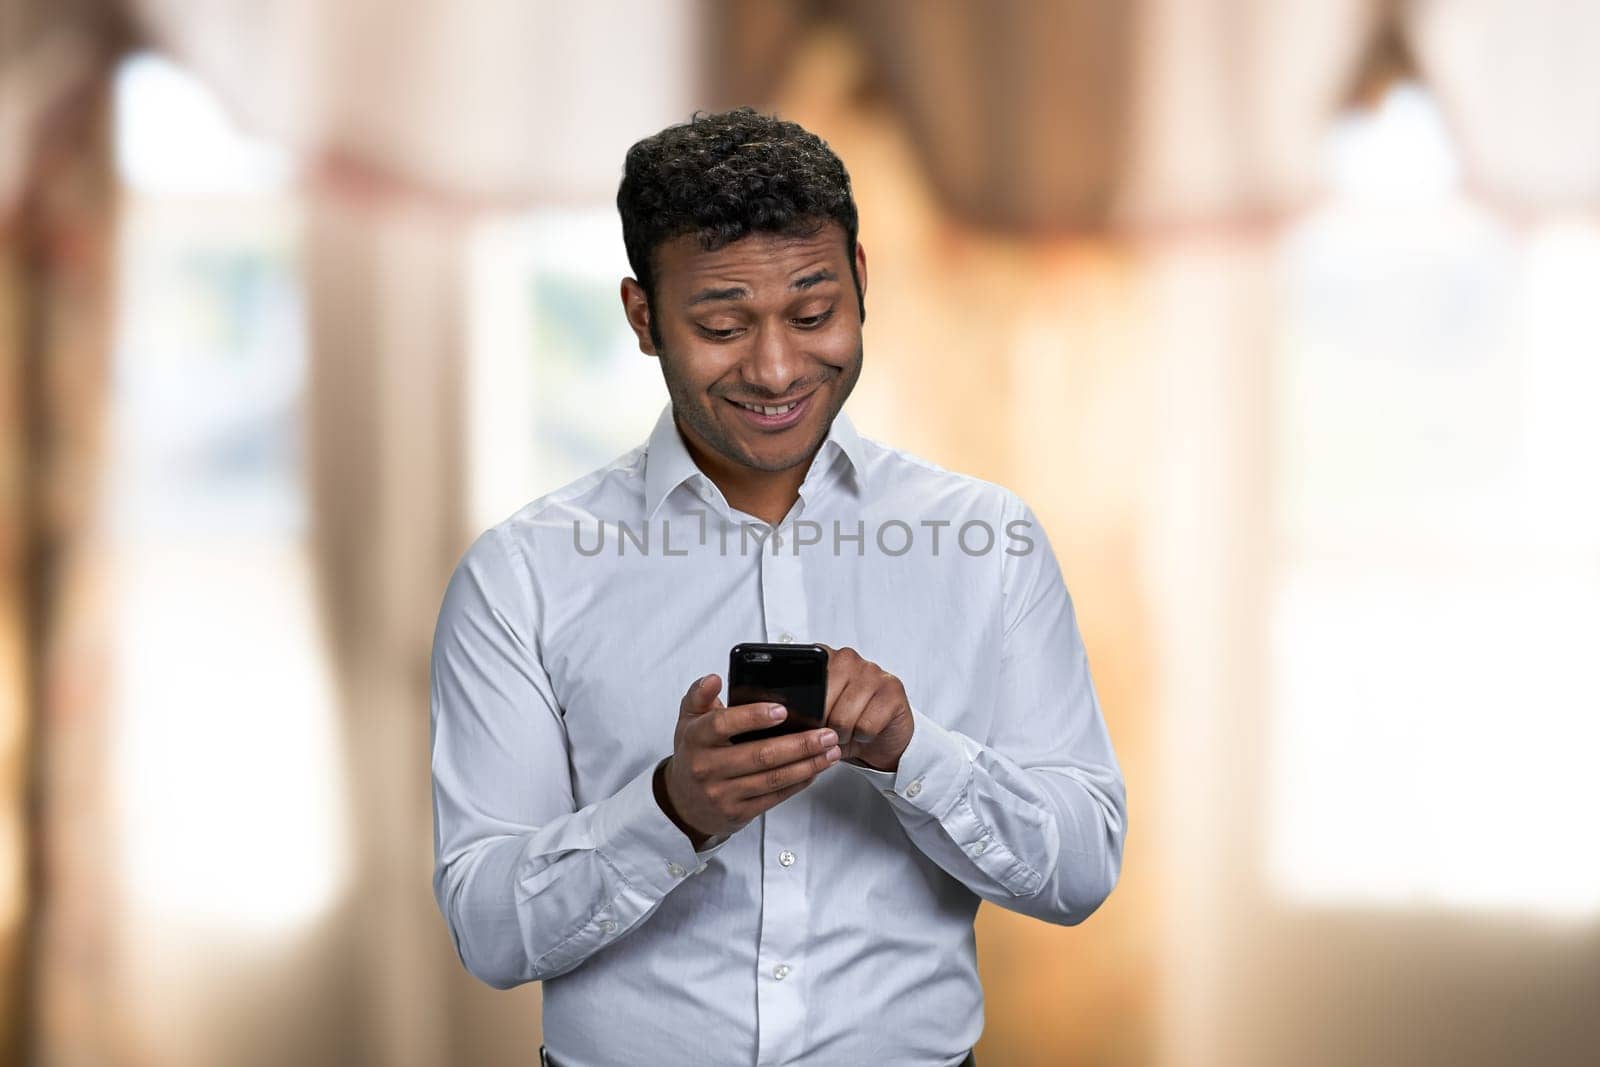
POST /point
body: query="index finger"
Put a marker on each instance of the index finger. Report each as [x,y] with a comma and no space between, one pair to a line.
[724,723]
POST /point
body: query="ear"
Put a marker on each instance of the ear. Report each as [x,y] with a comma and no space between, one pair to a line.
[637,309]
[861,278]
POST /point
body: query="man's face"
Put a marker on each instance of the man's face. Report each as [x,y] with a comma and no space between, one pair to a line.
[767,322]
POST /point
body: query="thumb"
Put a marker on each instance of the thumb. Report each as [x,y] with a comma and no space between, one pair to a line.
[701,697]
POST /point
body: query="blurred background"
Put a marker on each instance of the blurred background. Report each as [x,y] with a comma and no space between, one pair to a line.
[1281,314]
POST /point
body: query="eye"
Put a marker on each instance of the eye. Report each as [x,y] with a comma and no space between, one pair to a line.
[717,335]
[811,322]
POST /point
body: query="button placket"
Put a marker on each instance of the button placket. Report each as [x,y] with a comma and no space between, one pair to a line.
[785,909]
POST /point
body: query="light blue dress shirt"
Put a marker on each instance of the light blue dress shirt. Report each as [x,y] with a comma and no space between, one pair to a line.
[837,928]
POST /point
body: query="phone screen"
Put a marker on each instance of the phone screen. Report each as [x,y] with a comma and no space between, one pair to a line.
[795,676]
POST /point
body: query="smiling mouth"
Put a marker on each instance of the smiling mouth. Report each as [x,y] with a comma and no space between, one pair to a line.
[770,409]
[774,416]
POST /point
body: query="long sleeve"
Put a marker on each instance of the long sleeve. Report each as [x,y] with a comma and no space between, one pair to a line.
[1034,818]
[529,885]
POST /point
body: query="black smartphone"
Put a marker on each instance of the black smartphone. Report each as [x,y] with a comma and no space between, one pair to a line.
[795,676]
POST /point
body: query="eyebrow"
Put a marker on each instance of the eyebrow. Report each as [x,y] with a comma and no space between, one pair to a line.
[706,296]
[739,292]
[814,278]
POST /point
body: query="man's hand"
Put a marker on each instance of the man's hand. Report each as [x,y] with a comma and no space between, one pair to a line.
[709,786]
[867,707]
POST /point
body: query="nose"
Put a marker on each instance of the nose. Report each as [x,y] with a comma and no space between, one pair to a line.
[775,363]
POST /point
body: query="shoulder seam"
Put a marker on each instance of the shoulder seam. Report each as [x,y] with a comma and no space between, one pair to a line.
[627,463]
[930,465]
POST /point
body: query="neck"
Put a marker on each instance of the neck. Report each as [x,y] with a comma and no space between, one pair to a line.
[768,495]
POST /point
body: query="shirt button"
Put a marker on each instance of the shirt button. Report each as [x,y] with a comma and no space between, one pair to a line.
[786,858]
[781,971]
[700,868]
[981,847]
[675,869]
[608,926]
[914,788]
[786,638]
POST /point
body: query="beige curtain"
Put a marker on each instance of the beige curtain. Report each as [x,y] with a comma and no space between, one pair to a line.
[1521,89]
[1093,115]
[1052,118]
[386,278]
[57,203]
[496,102]
[1037,117]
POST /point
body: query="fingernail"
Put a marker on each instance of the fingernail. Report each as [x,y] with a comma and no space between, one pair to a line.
[777,711]
[828,738]
[832,755]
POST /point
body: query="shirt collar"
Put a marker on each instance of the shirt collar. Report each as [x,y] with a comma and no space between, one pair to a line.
[667,463]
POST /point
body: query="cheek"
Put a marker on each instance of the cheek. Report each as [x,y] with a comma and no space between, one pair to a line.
[693,364]
[840,346]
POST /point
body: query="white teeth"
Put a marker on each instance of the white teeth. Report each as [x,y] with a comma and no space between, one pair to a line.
[768,410]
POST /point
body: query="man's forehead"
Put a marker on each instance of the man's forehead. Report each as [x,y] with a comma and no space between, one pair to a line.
[686,257]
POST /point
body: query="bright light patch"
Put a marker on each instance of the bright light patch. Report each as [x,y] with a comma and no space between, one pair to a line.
[224,756]
[1400,151]
[224,747]
[549,347]
[1435,711]
[1434,739]
[173,137]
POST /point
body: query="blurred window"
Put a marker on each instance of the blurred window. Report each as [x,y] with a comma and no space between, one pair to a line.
[1436,610]
[224,757]
[557,383]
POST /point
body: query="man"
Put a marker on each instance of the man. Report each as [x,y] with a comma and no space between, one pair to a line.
[807,899]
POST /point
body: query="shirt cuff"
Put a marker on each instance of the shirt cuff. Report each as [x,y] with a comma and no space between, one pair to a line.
[934,770]
[635,835]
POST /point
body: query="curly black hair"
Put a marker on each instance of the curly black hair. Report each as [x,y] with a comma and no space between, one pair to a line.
[723,176]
